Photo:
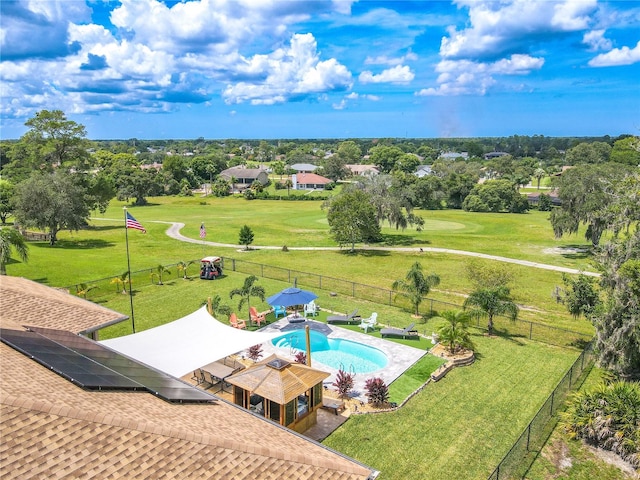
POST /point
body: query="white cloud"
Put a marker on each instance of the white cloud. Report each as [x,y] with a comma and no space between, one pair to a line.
[293,72]
[391,61]
[397,74]
[511,26]
[617,57]
[595,41]
[352,97]
[465,77]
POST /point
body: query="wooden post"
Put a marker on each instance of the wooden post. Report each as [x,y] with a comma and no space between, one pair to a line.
[308,338]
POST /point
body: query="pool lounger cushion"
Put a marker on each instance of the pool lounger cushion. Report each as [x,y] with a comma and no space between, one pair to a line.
[350,319]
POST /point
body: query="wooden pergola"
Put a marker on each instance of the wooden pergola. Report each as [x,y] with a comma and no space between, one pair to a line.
[286,392]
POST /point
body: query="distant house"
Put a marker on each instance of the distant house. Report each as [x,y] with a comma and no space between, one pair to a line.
[534,198]
[492,155]
[422,171]
[309,181]
[362,170]
[304,167]
[242,178]
[454,155]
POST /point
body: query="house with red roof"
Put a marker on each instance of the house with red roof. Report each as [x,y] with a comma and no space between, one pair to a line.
[309,181]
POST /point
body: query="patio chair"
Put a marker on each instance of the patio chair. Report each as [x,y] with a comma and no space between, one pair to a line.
[256,317]
[351,318]
[369,323]
[407,332]
[311,309]
[235,323]
[279,310]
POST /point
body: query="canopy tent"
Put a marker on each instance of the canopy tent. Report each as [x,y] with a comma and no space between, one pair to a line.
[184,345]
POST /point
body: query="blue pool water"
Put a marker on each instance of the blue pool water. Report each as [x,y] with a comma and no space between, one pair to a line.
[337,353]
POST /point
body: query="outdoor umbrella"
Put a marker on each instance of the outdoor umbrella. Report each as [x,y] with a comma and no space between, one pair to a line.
[291,296]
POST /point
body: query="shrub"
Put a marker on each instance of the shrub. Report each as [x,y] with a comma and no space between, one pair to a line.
[377,391]
[300,357]
[343,383]
[608,417]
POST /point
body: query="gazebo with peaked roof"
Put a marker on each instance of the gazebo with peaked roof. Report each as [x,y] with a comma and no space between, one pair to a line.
[288,393]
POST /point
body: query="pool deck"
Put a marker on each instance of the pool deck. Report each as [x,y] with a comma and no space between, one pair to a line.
[400,357]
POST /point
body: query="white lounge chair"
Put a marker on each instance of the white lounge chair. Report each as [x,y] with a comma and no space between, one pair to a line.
[369,323]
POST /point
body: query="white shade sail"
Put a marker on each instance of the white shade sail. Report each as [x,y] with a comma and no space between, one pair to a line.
[184,345]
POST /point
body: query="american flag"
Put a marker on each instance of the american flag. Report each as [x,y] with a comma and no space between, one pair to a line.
[203,231]
[133,223]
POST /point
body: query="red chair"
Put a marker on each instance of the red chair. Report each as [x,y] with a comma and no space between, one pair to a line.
[235,323]
[257,317]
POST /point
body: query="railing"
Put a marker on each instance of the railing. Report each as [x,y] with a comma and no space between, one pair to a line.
[502,325]
[526,448]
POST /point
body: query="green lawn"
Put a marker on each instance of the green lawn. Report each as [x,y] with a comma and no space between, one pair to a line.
[460,427]
[462,424]
[99,252]
[564,458]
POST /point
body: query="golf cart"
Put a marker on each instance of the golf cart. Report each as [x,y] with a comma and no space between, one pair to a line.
[210,268]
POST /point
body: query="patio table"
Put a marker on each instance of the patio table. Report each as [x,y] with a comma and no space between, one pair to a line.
[218,371]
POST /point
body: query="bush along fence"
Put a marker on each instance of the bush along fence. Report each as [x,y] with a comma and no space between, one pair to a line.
[105,287]
[527,447]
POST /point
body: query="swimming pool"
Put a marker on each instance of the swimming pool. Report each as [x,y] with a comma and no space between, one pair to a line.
[338,353]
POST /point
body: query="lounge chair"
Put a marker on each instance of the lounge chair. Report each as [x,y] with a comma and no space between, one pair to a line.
[349,319]
[407,332]
[279,310]
[256,317]
[235,323]
[369,323]
[310,309]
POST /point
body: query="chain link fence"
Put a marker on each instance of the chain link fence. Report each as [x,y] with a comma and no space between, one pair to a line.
[102,289]
[527,447]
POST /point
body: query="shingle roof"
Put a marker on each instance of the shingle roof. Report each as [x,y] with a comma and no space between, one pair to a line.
[25,302]
[52,428]
[311,178]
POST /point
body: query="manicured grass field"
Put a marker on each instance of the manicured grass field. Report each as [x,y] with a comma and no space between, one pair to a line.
[99,251]
[460,427]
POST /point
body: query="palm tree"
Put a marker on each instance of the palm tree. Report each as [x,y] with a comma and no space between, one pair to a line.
[539,174]
[83,289]
[217,306]
[416,285]
[490,302]
[160,270]
[454,333]
[122,280]
[247,291]
[182,267]
[11,238]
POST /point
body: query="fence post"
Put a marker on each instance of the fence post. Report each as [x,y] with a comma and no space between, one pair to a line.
[528,436]
[570,375]
[552,395]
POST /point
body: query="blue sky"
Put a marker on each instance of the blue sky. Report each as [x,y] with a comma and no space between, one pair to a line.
[150,69]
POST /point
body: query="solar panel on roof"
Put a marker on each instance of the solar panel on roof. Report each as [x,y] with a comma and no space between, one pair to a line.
[95,367]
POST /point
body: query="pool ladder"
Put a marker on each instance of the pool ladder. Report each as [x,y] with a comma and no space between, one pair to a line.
[352,369]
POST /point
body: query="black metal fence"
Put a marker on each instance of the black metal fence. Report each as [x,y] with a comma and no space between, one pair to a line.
[105,287]
[520,457]
[502,325]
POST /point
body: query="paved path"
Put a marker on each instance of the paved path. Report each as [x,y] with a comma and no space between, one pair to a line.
[174,232]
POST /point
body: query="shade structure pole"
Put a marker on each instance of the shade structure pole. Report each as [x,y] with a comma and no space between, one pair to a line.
[308,341]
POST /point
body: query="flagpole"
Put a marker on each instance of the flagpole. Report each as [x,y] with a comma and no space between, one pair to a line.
[201,229]
[126,236]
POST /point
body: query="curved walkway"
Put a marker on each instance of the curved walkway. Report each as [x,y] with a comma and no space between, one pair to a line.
[174,232]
